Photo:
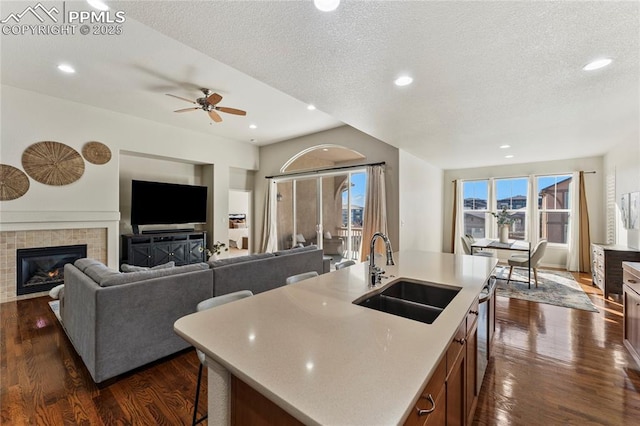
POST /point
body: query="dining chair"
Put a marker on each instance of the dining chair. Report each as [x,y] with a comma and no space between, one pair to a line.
[344,264]
[202,306]
[467,240]
[297,278]
[523,261]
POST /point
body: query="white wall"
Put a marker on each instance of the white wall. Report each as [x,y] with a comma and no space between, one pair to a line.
[238,202]
[28,117]
[273,157]
[623,162]
[420,204]
[554,256]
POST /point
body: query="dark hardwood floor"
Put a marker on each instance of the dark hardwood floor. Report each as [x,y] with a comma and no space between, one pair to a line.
[552,366]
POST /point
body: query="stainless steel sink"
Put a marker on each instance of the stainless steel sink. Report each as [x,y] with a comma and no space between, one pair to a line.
[417,300]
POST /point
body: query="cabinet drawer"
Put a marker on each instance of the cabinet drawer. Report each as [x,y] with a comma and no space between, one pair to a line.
[472,317]
[456,346]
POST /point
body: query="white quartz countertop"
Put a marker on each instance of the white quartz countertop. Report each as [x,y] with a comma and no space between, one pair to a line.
[327,361]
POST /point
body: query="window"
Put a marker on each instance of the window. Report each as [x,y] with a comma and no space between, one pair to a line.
[511,194]
[475,198]
[554,207]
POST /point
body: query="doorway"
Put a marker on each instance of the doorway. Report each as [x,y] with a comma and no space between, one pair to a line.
[239,223]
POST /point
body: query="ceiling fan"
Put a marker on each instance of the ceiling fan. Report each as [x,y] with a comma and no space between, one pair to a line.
[209,103]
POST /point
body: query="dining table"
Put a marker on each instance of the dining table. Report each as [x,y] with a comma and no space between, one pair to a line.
[513,245]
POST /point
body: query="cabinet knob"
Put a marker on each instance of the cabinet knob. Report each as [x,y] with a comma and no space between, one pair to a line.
[632,281]
[474,312]
[461,341]
[423,412]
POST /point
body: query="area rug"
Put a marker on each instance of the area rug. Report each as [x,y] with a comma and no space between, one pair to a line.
[55,307]
[554,288]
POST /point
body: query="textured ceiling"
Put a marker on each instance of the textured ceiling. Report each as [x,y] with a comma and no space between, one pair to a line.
[485,73]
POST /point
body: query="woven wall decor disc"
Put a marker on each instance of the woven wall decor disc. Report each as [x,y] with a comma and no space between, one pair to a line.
[52,163]
[96,152]
[13,183]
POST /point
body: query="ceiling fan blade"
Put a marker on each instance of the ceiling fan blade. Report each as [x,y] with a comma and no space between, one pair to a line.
[187,109]
[232,111]
[178,97]
[215,116]
[214,98]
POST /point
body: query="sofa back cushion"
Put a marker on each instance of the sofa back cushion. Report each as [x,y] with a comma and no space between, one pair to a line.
[239,259]
[99,272]
[131,277]
[295,250]
[85,262]
[125,267]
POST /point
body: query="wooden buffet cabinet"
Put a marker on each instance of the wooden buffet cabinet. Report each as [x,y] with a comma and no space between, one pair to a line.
[631,330]
[150,250]
[606,265]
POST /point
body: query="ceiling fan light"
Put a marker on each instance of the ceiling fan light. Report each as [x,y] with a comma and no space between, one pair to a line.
[326,5]
[98,4]
[597,64]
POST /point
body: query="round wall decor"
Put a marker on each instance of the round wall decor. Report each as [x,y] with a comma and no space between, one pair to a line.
[13,183]
[96,152]
[52,163]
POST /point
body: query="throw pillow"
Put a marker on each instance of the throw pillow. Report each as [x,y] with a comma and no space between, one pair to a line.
[54,293]
[133,268]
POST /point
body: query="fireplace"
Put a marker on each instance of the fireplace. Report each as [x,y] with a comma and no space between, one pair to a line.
[41,269]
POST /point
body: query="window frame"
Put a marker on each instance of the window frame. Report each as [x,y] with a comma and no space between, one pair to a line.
[540,209]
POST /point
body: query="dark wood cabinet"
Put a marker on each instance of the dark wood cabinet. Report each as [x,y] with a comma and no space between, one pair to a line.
[150,250]
[606,265]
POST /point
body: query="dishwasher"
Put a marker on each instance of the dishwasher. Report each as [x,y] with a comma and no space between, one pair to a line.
[486,327]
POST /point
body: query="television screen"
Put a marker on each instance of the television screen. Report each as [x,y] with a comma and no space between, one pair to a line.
[156,203]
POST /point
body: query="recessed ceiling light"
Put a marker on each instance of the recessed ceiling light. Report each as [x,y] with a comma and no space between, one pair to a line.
[404,80]
[66,68]
[508,156]
[253,126]
[311,107]
[252,140]
[326,5]
[505,146]
[597,64]
[98,4]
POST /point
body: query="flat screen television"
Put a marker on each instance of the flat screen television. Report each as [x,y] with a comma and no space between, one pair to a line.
[157,203]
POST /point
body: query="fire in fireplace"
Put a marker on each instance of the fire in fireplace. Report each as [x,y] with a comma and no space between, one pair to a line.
[41,269]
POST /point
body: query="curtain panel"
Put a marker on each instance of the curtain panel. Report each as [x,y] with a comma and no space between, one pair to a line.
[375,210]
[270,225]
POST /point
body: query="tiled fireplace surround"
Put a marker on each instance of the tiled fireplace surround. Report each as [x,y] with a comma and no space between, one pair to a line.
[11,241]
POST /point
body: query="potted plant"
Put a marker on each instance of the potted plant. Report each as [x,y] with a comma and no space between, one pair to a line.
[504,222]
[215,250]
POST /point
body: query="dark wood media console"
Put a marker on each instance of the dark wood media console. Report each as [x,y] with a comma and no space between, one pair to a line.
[154,249]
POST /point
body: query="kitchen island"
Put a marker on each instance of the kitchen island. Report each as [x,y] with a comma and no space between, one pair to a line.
[324,360]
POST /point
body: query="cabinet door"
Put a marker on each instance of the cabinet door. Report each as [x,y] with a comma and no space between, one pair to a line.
[456,408]
[196,251]
[432,399]
[161,253]
[472,367]
[140,255]
[632,319]
[180,253]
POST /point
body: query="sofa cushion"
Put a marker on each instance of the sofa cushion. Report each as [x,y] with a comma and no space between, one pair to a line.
[295,250]
[125,267]
[99,272]
[238,259]
[149,274]
[85,262]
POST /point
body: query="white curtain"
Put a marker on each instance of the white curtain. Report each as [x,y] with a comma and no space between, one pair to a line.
[491,227]
[375,210]
[270,225]
[532,211]
[459,225]
[573,239]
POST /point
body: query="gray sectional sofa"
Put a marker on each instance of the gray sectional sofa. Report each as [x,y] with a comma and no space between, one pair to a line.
[120,321]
